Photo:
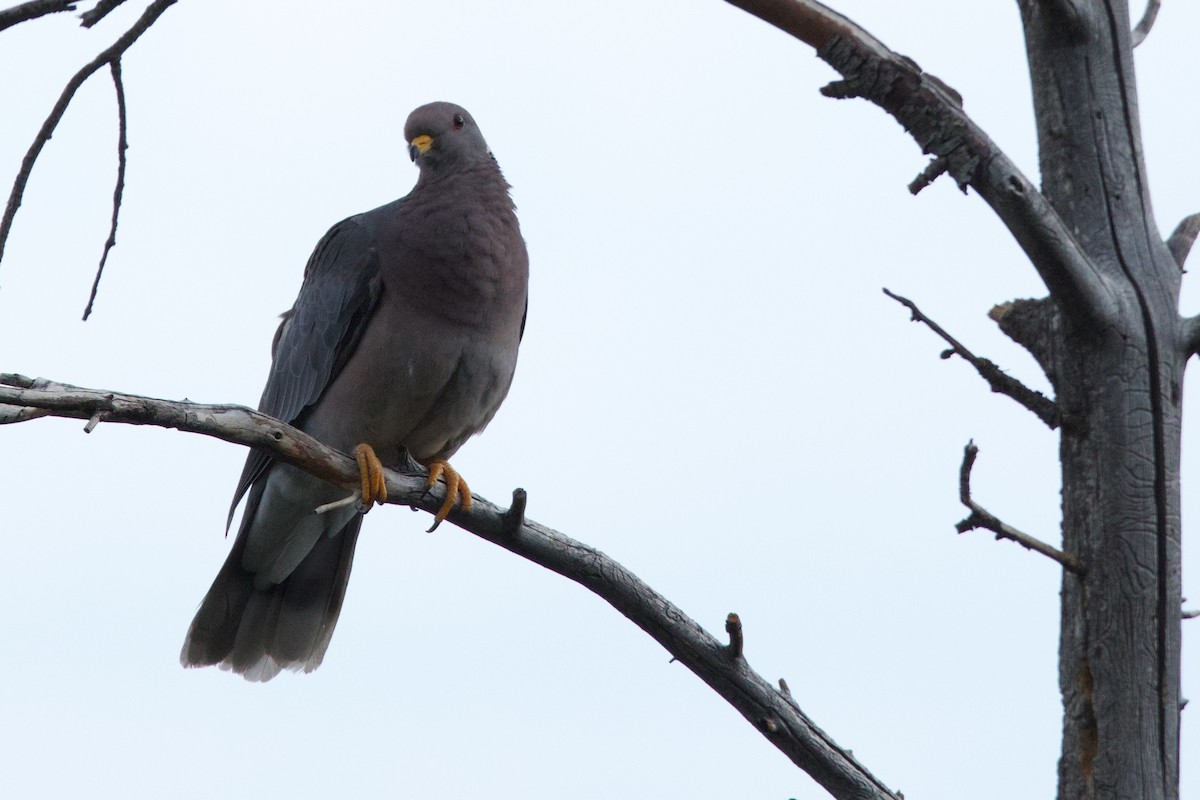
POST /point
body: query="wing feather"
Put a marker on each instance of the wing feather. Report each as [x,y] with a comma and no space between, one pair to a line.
[316,337]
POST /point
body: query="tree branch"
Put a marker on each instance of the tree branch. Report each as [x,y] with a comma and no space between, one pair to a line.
[933,116]
[1043,407]
[776,716]
[1146,23]
[122,146]
[23,12]
[1183,237]
[980,517]
[109,55]
[99,12]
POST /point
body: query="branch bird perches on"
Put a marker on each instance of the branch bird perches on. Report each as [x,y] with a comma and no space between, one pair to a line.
[773,714]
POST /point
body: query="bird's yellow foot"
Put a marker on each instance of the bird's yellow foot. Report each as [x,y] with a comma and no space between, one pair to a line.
[457,491]
[373,488]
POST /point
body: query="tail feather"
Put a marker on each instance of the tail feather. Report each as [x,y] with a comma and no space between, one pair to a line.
[259,632]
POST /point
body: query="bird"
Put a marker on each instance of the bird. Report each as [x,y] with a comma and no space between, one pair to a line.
[401,345]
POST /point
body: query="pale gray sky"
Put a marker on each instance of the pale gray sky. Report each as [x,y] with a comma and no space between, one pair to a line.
[712,389]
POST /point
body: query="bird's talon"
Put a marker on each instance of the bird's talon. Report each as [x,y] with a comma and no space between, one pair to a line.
[374,487]
[457,491]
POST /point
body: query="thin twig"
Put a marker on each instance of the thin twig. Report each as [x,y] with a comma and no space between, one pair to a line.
[1183,237]
[980,517]
[778,717]
[1002,383]
[122,146]
[1146,23]
[98,12]
[126,40]
[1191,614]
[23,12]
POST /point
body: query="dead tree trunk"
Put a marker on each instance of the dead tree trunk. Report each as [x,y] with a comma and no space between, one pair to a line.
[1110,339]
[1118,379]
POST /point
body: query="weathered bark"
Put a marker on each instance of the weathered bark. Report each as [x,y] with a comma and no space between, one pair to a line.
[1110,340]
[1120,386]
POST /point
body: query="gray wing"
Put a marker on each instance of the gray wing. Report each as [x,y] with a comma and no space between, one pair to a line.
[340,290]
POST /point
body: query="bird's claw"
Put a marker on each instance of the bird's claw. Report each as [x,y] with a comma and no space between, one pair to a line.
[374,489]
[457,491]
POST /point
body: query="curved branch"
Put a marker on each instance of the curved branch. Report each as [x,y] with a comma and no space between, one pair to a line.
[107,56]
[1146,23]
[775,715]
[980,517]
[23,12]
[933,115]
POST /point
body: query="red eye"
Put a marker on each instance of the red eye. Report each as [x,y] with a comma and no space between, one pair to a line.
[458,122]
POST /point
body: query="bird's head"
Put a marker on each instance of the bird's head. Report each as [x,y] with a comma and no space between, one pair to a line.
[442,135]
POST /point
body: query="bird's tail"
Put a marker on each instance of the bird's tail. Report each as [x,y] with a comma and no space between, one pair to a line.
[259,632]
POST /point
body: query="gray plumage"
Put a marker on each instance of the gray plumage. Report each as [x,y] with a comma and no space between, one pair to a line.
[404,336]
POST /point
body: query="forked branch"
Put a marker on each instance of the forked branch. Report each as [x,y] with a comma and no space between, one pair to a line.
[108,56]
[933,116]
[776,716]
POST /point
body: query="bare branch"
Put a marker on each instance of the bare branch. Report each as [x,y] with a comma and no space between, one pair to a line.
[1190,614]
[775,716]
[1181,240]
[112,53]
[122,146]
[23,12]
[1146,23]
[935,119]
[98,12]
[980,517]
[1043,407]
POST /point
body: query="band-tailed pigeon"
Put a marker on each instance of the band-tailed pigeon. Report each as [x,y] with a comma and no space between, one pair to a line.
[403,339]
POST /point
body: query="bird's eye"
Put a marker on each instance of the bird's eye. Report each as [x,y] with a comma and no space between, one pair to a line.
[458,122]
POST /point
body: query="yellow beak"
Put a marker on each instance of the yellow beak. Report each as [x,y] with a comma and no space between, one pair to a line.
[419,146]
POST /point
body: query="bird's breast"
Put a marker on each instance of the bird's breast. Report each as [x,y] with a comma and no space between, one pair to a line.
[465,262]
